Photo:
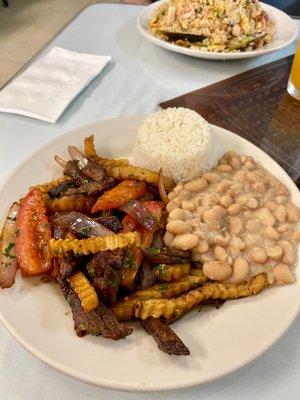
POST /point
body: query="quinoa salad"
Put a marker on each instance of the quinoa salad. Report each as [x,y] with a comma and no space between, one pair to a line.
[213,25]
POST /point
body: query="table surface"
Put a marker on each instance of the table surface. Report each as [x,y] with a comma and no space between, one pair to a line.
[139,77]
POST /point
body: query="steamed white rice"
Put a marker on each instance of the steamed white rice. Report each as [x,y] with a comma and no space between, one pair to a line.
[180,141]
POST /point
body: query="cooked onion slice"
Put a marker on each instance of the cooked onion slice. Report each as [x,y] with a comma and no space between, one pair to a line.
[80,223]
[139,212]
[75,154]
[161,187]
[8,260]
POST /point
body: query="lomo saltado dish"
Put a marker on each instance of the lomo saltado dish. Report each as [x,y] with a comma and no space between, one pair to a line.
[124,242]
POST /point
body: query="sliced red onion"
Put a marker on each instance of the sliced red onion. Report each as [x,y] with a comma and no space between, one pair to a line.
[80,223]
[8,260]
[75,154]
[139,212]
[60,161]
[161,187]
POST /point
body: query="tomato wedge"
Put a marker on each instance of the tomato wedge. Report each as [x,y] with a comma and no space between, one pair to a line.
[34,233]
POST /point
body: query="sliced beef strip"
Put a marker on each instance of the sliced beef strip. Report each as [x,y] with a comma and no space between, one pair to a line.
[104,272]
[66,267]
[97,173]
[73,171]
[166,256]
[111,222]
[165,337]
[98,322]
[91,179]
[61,188]
[89,188]
[147,275]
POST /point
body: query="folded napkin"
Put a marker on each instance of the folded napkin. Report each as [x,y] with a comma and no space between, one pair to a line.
[47,87]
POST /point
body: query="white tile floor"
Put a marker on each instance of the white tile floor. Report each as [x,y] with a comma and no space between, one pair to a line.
[27,25]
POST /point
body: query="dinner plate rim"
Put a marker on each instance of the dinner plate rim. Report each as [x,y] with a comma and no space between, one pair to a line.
[213,55]
[136,387]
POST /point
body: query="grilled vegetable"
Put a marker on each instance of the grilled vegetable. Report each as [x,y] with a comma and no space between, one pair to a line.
[165,337]
[69,203]
[140,174]
[168,273]
[8,259]
[174,307]
[120,195]
[80,223]
[62,247]
[85,291]
[34,233]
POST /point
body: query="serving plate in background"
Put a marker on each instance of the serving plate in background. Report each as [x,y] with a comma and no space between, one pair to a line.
[39,318]
[286,32]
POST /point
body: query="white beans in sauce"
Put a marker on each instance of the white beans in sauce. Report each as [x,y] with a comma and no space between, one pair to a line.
[238,220]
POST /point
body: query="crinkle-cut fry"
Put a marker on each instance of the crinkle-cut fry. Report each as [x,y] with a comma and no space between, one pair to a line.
[85,291]
[170,273]
[45,187]
[125,309]
[171,308]
[62,247]
[90,152]
[69,203]
[109,163]
[89,147]
[140,174]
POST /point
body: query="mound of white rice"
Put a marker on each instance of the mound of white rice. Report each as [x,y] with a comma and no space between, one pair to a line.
[180,141]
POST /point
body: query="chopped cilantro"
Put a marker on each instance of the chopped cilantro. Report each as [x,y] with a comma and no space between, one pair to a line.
[85,231]
[164,286]
[161,268]
[113,282]
[8,250]
[91,271]
[128,260]
[153,251]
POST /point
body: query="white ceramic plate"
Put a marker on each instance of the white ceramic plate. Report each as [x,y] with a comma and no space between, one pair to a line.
[221,341]
[286,32]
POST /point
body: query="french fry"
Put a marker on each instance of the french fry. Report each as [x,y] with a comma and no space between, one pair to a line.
[89,147]
[85,291]
[69,203]
[90,152]
[173,308]
[61,247]
[120,195]
[140,174]
[125,309]
[169,273]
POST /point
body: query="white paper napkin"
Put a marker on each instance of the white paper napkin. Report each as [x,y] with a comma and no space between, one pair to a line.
[46,88]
